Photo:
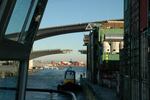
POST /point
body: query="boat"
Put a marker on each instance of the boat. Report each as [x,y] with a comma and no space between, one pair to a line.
[69,83]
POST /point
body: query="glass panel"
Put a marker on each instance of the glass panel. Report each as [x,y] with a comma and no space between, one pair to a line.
[21,18]
[8,79]
[46,96]
[9,73]
[18,17]
[7,95]
[29,18]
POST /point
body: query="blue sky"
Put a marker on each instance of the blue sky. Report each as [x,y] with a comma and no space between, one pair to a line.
[64,12]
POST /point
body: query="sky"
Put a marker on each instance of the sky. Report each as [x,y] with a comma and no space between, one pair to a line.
[65,12]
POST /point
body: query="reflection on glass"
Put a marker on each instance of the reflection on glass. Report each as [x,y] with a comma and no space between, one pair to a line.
[37,96]
[9,73]
[8,79]
[46,96]
[7,95]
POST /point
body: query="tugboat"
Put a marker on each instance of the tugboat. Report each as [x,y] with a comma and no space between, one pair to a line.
[69,83]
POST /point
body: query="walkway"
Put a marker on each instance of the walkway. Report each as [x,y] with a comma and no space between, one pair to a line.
[98,92]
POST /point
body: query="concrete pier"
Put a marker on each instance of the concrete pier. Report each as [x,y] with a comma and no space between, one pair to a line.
[97,92]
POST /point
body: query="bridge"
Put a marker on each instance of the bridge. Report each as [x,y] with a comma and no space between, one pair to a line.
[36,54]
[6,70]
[60,30]
[66,29]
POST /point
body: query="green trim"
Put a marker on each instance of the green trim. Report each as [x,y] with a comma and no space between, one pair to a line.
[108,57]
[102,32]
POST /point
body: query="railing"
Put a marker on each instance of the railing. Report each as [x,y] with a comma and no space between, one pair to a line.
[45,90]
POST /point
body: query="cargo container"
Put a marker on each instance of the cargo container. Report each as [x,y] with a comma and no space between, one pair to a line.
[136,50]
[103,31]
[106,47]
[143,15]
[115,47]
[145,90]
[135,91]
[134,39]
[134,18]
[134,58]
[126,93]
[144,56]
[121,45]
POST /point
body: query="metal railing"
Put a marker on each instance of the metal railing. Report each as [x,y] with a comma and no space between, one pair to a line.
[45,90]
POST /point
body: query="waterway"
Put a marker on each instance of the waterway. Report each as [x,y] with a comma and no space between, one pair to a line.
[42,79]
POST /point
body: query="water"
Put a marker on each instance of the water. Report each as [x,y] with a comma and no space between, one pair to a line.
[43,79]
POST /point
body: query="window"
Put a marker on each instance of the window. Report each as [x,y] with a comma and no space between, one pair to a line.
[8,79]
[21,18]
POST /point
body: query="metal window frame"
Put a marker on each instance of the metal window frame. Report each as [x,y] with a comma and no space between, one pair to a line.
[13,50]
[6,9]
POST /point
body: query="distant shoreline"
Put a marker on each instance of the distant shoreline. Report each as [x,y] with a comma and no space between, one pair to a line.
[31,71]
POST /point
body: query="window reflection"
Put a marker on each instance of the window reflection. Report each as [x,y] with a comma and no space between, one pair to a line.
[9,73]
[8,79]
[7,95]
